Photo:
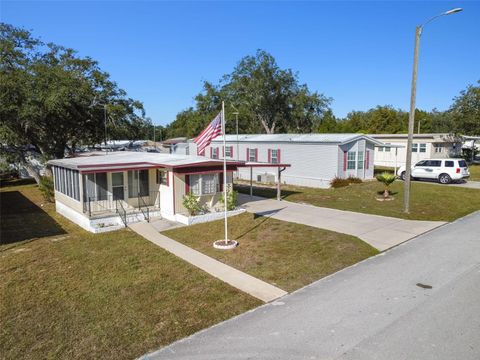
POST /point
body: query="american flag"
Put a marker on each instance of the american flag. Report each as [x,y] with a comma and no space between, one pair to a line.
[208,134]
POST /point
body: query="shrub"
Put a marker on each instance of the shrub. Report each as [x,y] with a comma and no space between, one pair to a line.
[231,199]
[354,180]
[46,188]
[191,202]
[338,182]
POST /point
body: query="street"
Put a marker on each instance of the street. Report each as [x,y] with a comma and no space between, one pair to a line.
[416,301]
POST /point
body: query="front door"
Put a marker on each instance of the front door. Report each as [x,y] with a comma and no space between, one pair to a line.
[118,189]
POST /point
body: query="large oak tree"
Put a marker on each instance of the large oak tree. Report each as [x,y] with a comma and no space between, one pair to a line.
[52,100]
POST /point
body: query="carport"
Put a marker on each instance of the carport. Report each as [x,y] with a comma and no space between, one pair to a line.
[280,168]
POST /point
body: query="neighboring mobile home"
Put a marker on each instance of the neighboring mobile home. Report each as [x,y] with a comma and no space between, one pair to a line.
[424,146]
[315,159]
[102,193]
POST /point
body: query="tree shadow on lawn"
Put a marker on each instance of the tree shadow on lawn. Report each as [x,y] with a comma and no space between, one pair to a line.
[24,220]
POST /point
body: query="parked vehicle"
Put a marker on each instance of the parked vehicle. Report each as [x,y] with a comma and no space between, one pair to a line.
[443,170]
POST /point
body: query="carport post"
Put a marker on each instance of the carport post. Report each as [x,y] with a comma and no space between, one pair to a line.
[251,181]
[279,191]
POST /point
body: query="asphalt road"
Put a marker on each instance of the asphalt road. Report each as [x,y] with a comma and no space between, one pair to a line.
[374,310]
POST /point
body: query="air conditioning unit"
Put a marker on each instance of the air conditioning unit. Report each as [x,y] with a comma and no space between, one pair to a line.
[266,178]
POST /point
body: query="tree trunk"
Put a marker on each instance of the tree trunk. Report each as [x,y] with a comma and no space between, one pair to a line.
[32,171]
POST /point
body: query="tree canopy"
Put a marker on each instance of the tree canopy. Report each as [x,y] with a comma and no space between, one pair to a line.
[52,100]
[267,98]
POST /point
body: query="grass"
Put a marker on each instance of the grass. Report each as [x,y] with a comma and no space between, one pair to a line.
[281,253]
[428,201]
[474,172]
[67,293]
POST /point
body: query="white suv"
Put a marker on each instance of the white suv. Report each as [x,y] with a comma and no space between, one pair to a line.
[443,170]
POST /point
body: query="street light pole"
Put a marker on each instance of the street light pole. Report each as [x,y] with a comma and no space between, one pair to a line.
[411,116]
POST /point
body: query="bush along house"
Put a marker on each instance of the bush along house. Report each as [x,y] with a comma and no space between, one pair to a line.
[315,159]
[106,192]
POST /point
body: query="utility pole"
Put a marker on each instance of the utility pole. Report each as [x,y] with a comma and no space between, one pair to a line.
[411,116]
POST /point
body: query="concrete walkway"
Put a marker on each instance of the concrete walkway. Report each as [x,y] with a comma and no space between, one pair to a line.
[242,281]
[379,231]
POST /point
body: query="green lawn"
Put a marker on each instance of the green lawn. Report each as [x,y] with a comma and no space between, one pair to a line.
[281,253]
[474,172]
[428,201]
[66,293]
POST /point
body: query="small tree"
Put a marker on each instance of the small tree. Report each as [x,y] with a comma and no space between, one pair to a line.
[387,179]
[46,188]
[231,199]
[191,202]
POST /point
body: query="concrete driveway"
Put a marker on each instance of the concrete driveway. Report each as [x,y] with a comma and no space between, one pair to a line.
[379,231]
[416,301]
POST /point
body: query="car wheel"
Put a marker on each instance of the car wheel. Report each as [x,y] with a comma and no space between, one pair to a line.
[444,179]
[402,175]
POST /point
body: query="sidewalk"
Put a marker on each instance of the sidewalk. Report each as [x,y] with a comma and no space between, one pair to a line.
[379,231]
[238,279]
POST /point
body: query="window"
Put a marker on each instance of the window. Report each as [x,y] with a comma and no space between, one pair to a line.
[387,148]
[434,163]
[252,155]
[205,184]
[162,177]
[66,182]
[414,147]
[274,156]
[209,184]
[462,163]
[380,148]
[195,184]
[351,160]
[214,153]
[360,160]
[421,163]
[229,151]
[423,148]
[449,163]
[438,148]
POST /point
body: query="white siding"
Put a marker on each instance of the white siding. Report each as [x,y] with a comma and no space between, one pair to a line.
[312,165]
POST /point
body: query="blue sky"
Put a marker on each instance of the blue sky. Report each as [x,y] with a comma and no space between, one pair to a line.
[359,53]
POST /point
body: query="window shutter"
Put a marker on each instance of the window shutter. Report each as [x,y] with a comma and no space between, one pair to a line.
[248,153]
[223,151]
[167,173]
[220,181]
[231,151]
[187,184]
[256,155]
[211,152]
[344,161]
[367,159]
[278,156]
[269,155]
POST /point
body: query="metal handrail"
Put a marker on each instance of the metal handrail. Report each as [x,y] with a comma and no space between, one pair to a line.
[108,202]
[124,212]
[147,215]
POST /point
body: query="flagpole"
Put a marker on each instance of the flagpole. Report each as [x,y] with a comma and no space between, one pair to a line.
[224,173]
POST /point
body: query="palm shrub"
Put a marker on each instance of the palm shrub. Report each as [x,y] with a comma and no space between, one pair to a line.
[231,199]
[387,179]
[191,202]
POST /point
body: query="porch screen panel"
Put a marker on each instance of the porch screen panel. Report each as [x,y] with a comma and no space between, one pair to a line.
[143,182]
[88,187]
[101,184]
[132,184]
